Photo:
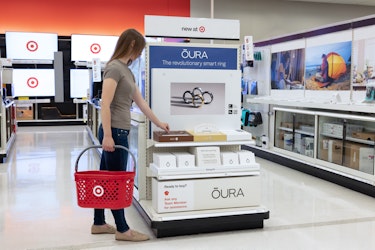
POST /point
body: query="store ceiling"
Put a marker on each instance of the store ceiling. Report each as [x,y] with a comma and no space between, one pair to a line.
[353,2]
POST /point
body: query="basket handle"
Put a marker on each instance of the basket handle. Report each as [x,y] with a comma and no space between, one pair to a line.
[100,146]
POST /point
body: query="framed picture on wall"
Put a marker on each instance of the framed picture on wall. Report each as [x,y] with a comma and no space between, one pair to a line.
[328,66]
[287,69]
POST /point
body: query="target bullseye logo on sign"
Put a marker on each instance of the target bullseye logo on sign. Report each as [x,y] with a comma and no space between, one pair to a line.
[32,46]
[32,82]
[202,29]
[98,191]
[95,48]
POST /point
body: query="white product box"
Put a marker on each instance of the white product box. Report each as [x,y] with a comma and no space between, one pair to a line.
[337,129]
[164,160]
[229,158]
[308,146]
[199,194]
[246,157]
[366,160]
[333,129]
[237,135]
[298,143]
[206,156]
[184,159]
[288,142]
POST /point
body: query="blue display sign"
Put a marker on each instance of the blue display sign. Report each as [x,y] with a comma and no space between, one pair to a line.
[186,57]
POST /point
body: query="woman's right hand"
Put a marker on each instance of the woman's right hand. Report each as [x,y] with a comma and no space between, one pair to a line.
[108,144]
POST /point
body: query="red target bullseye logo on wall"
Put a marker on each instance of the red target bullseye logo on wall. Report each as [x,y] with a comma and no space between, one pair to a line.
[32,46]
[32,82]
[98,191]
[95,48]
[202,29]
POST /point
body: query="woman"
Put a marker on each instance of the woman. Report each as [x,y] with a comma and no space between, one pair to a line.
[118,92]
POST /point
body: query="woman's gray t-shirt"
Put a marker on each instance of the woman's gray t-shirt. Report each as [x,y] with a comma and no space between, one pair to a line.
[122,100]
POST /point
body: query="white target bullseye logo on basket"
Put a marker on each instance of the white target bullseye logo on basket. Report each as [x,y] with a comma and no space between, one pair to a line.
[98,191]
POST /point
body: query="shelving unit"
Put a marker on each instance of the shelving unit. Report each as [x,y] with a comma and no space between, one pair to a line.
[194,221]
[7,128]
[202,220]
[350,165]
[34,118]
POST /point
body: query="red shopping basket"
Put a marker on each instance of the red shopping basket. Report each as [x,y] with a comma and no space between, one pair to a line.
[104,189]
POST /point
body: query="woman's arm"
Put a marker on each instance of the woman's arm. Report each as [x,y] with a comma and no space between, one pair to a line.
[142,104]
[108,92]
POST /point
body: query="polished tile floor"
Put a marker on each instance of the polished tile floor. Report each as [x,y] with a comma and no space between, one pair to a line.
[38,209]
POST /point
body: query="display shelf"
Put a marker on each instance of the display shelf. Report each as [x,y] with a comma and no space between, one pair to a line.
[338,144]
[204,212]
[203,172]
[34,119]
[31,61]
[195,144]
[297,131]
[348,138]
[202,221]
[317,168]
[314,104]
[7,128]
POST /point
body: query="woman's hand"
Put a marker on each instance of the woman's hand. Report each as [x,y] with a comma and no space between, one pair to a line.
[164,126]
[108,144]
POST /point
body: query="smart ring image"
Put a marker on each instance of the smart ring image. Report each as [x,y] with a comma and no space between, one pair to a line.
[195,98]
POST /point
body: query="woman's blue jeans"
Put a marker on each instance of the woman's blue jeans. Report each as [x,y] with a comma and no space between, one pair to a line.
[114,161]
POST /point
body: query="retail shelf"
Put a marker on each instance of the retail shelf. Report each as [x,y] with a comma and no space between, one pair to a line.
[303,103]
[32,101]
[348,138]
[195,144]
[39,61]
[77,101]
[202,221]
[54,120]
[297,131]
[203,172]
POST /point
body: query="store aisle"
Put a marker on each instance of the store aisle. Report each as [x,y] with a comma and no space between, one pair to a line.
[38,209]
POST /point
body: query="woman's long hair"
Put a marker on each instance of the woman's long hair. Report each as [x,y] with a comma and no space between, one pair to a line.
[129,43]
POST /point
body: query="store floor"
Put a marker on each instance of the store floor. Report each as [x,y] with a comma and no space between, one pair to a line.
[38,209]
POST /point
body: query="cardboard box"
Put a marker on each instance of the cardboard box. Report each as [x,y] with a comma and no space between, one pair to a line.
[351,159]
[184,159]
[164,160]
[201,194]
[359,157]
[366,160]
[25,113]
[280,135]
[172,136]
[368,136]
[208,136]
[331,151]
[229,158]
[289,124]
[353,128]
[279,143]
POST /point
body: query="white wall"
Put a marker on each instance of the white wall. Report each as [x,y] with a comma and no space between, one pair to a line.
[266,19]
